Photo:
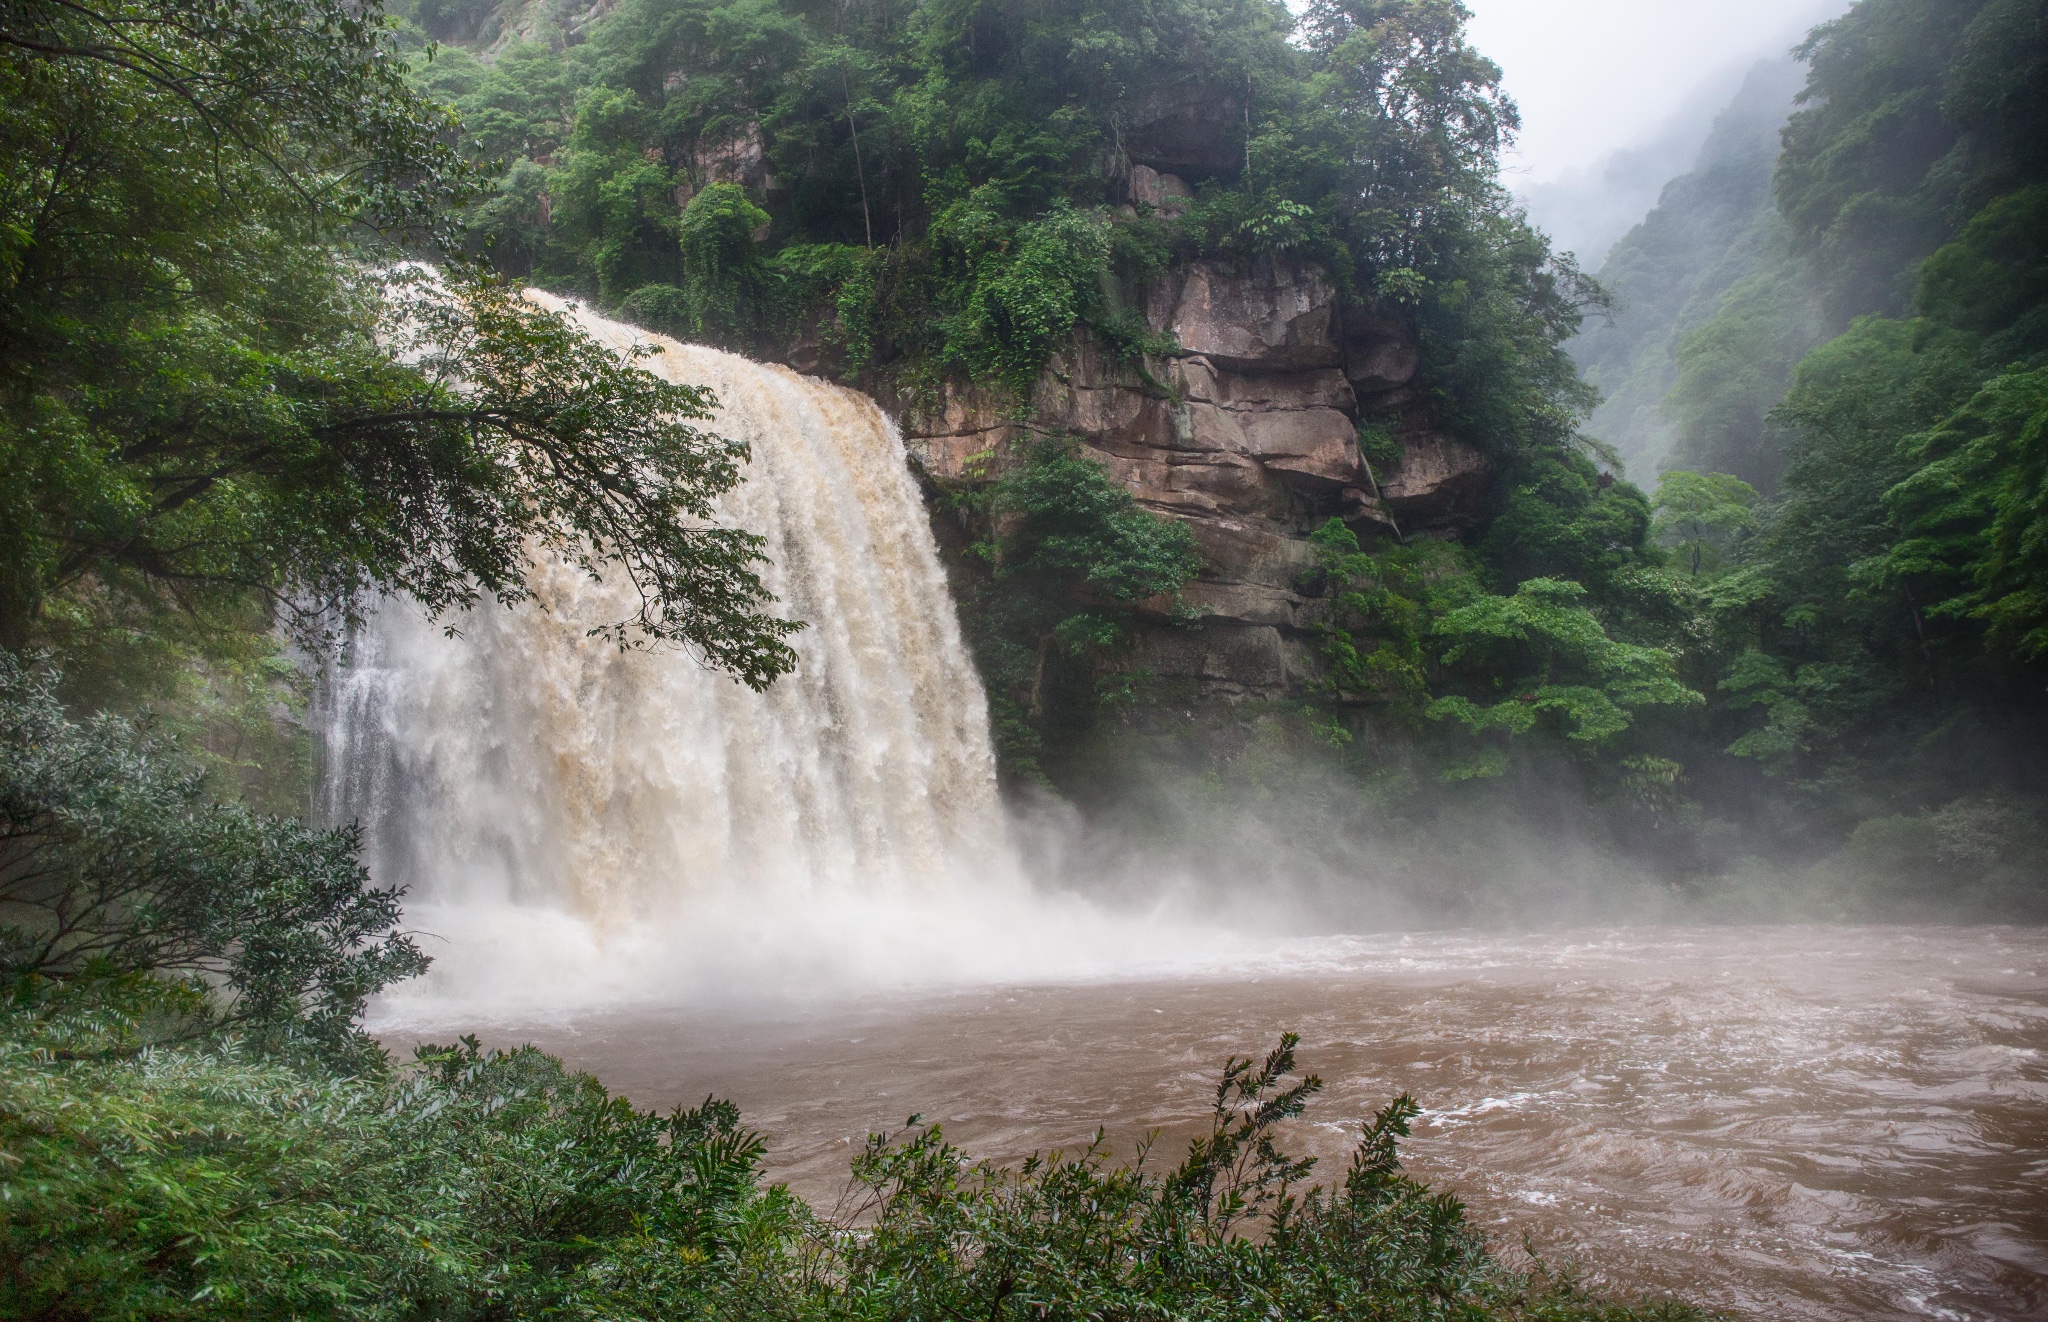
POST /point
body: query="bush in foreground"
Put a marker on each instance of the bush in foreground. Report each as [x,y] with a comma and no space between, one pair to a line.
[208,1181]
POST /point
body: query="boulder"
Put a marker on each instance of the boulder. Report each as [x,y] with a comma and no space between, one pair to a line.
[1252,551]
[1317,388]
[1203,426]
[1317,446]
[1190,484]
[1380,354]
[1363,510]
[1193,128]
[1081,392]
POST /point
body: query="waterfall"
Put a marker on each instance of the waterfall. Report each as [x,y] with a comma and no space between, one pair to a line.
[554,803]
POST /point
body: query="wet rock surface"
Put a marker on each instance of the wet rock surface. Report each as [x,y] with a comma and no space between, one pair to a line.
[1249,432]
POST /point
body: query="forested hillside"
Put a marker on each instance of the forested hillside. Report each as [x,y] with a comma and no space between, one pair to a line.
[938,189]
[1825,626]
[1856,336]
[1828,623]
[1714,228]
[263,360]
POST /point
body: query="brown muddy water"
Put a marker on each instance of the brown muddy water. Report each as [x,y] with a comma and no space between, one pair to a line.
[1791,1122]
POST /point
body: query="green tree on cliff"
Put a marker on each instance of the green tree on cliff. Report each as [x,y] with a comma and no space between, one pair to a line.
[1073,557]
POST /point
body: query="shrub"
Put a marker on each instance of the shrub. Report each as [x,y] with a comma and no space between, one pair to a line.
[115,864]
[198,1182]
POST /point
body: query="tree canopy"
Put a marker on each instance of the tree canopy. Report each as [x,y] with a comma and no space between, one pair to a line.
[934,189]
[217,382]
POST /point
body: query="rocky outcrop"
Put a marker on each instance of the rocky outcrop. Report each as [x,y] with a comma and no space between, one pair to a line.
[1249,432]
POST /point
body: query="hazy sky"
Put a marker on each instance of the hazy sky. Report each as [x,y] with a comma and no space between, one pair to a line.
[1594,75]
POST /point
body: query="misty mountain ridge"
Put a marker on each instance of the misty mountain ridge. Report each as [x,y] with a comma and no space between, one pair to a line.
[1712,227]
[1587,210]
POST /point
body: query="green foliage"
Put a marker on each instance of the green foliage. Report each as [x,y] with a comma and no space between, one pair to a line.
[1891,596]
[211,675]
[1019,290]
[1077,530]
[1993,279]
[1761,681]
[1073,558]
[1564,518]
[1703,516]
[185,1183]
[209,398]
[1842,653]
[116,863]
[169,177]
[1974,516]
[1919,112]
[1229,1232]
[723,276]
[1383,607]
[1985,849]
[1887,159]
[1556,663]
[1490,331]
[178,1185]
[1413,621]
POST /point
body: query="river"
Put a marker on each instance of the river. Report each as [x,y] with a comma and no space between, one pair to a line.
[1785,1122]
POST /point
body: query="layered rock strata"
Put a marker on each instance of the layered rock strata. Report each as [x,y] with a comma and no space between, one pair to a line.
[1248,431]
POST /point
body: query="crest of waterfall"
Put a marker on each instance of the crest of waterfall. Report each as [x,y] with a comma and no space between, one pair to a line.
[529,766]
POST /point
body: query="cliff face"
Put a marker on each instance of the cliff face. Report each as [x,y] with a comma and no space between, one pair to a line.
[1249,432]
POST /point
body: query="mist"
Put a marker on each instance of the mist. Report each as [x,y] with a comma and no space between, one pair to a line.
[1617,97]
